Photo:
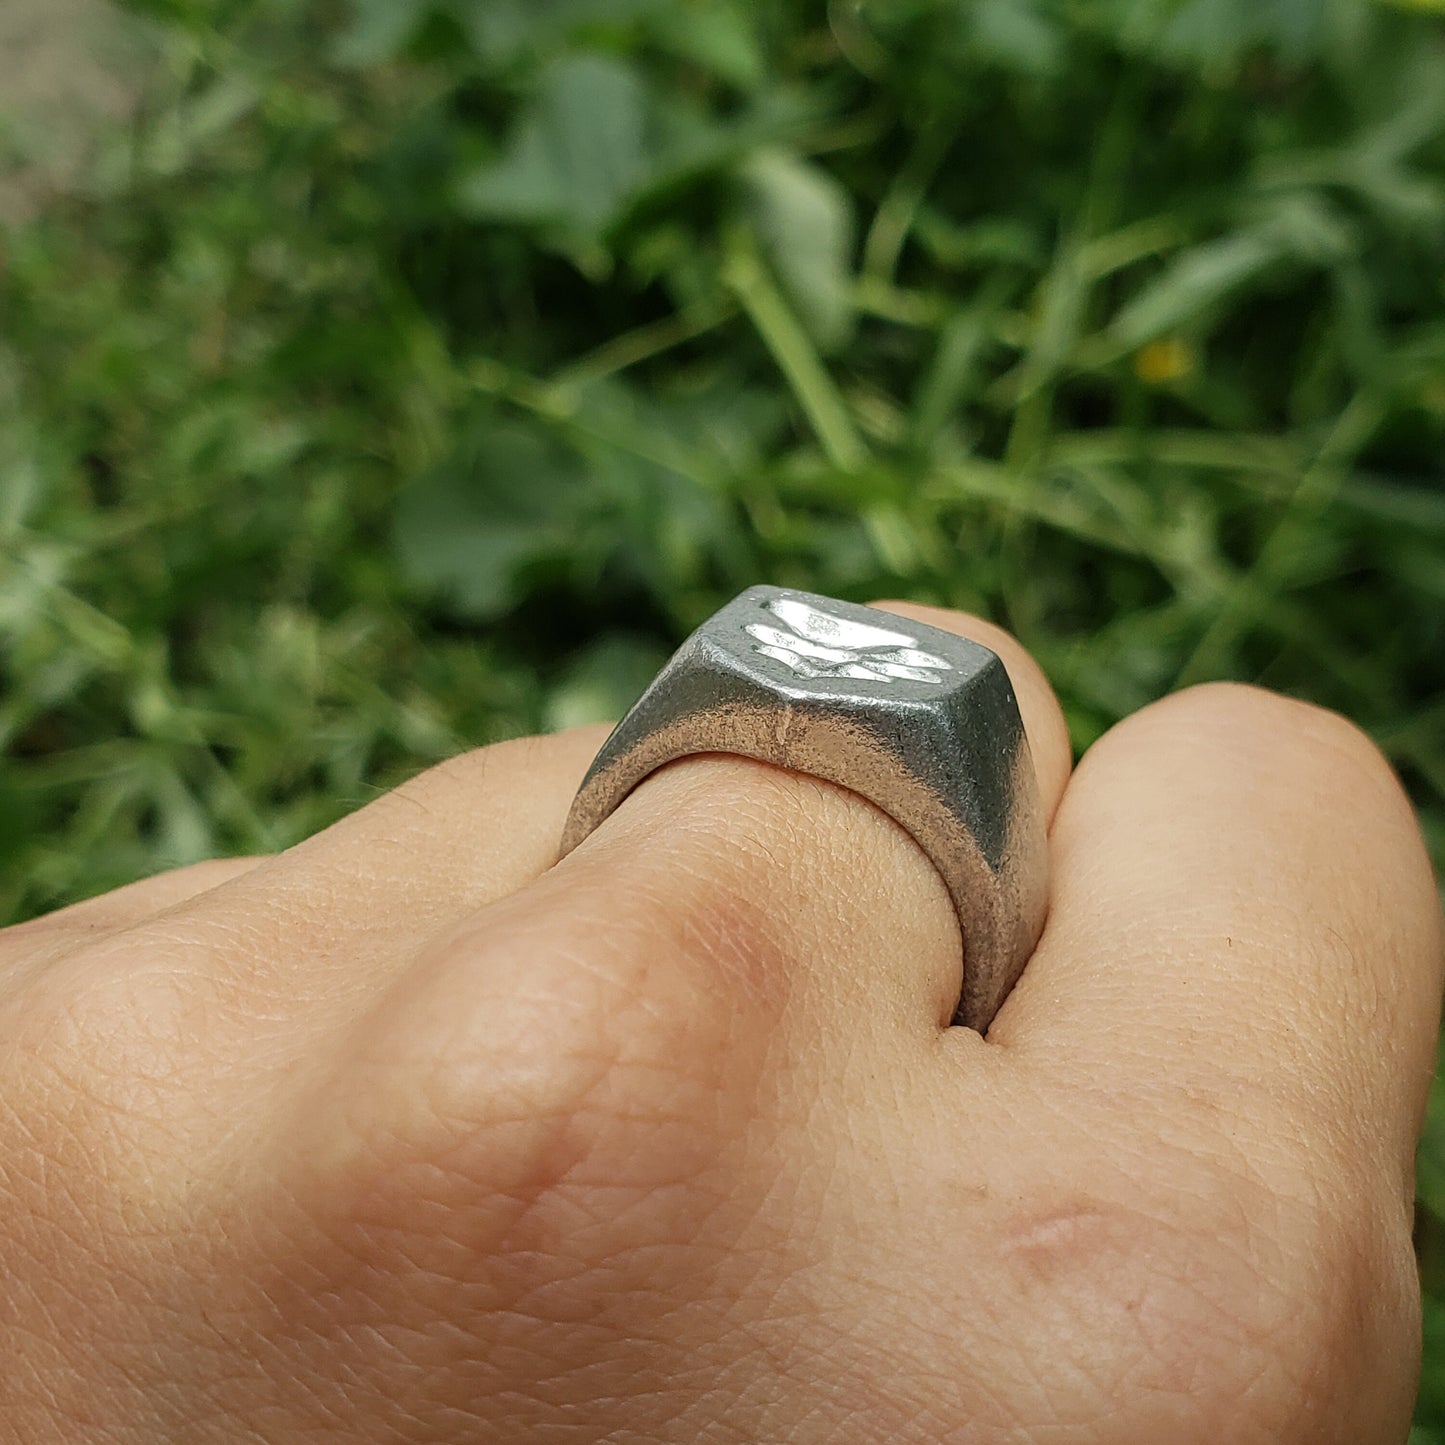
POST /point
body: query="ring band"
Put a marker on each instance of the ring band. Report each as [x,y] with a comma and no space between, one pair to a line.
[921,722]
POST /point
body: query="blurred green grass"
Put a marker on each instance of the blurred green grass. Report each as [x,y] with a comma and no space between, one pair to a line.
[408,377]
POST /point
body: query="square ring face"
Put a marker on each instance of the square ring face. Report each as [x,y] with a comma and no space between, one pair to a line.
[814,645]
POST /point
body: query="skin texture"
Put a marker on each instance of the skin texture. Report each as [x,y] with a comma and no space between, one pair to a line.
[405,1135]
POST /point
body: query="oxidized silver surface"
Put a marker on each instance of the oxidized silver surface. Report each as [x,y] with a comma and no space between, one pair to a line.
[919,721]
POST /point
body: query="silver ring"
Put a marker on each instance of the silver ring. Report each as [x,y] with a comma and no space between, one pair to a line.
[921,722]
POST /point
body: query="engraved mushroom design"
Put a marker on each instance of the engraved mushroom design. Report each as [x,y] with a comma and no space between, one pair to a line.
[814,643]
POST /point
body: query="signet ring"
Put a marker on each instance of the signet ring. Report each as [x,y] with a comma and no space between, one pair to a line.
[921,722]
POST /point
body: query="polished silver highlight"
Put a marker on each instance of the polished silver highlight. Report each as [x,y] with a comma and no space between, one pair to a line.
[922,723]
[817,643]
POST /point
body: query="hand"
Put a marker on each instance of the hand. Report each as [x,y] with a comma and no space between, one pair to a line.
[404,1136]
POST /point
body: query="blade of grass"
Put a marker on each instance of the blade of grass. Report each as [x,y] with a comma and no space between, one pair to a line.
[560,407]
[644,343]
[894,217]
[1249,599]
[795,355]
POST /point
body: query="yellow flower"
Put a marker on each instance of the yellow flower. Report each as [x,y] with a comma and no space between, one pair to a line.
[1432,395]
[1164,360]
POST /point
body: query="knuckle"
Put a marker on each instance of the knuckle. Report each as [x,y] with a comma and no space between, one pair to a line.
[1173,1316]
[1234,1304]
[520,1124]
[524,1074]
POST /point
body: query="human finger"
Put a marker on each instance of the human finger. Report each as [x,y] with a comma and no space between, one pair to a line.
[1243,900]
[332,915]
[44,937]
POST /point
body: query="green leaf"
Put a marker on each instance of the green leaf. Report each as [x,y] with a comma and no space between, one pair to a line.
[470,531]
[200,122]
[595,141]
[1296,227]
[503,30]
[806,231]
[1193,282]
[717,35]
[579,153]
[1223,32]
[378,30]
[1017,34]
[963,342]
[1309,229]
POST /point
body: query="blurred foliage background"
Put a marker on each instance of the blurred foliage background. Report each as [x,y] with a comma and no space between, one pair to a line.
[403,376]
